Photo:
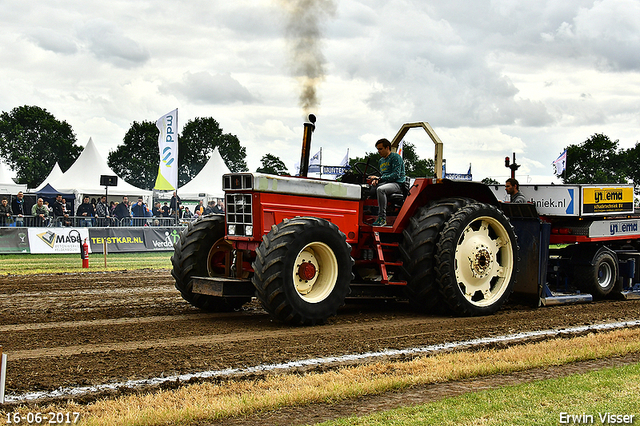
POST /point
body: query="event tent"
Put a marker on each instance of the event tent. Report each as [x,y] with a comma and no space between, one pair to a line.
[54,174]
[83,178]
[7,185]
[207,182]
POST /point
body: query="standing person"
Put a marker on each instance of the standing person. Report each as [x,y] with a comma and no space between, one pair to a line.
[199,209]
[102,212]
[393,177]
[175,205]
[40,213]
[5,212]
[140,209]
[166,211]
[17,205]
[157,210]
[122,210]
[86,211]
[513,189]
[60,214]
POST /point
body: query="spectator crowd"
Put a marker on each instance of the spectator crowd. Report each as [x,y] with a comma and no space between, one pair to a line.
[93,212]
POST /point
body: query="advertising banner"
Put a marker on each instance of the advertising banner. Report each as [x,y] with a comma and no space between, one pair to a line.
[610,199]
[161,239]
[167,179]
[14,241]
[57,240]
[118,240]
[121,240]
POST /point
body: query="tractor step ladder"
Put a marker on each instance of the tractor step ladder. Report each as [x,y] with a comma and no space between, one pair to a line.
[383,263]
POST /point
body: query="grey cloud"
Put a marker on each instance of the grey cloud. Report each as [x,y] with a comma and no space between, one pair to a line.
[53,41]
[205,88]
[106,41]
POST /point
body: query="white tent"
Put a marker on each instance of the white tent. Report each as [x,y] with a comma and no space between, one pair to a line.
[55,173]
[7,185]
[83,177]
[208,181]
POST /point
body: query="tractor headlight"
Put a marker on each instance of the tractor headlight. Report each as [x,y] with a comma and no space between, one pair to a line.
[248,230]
[232,230]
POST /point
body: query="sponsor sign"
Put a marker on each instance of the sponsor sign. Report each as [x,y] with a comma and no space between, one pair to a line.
[458,176]
[14,240]
[614,228]
[334,170]
[610,199]
[161,238]
[57,240]
[120,240]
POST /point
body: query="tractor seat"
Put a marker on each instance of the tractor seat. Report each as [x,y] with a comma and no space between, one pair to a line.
[398,198]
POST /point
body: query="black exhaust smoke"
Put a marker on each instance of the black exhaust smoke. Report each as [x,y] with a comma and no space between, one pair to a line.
[309,127]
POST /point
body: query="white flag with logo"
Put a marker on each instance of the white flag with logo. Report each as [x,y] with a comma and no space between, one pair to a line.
[400,148]
[561,163]
[315,162]
[167,179]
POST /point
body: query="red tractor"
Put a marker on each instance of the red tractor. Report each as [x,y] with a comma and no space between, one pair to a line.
[303,246]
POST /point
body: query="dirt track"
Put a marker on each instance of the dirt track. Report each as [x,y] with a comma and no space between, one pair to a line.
[83,329]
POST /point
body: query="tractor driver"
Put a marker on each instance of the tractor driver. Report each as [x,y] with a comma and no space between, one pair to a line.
[391,167]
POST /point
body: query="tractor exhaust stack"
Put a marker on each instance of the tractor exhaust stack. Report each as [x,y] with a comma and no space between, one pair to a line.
[309,127]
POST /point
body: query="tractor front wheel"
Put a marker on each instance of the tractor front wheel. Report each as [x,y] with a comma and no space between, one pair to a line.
[303,268]
[202,252]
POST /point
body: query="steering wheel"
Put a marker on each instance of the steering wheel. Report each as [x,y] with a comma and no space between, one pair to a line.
[362,168]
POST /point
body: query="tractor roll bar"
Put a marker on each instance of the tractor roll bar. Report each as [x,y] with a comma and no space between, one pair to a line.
[432,134]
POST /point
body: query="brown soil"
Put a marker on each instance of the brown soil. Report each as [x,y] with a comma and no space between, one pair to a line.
[71,330]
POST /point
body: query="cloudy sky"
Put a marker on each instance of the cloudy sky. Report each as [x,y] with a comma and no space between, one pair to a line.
[491,77]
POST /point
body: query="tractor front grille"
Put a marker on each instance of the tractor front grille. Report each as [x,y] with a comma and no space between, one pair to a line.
[239,215]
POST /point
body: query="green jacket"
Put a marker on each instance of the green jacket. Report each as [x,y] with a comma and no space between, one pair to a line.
[35,210]
[392,169]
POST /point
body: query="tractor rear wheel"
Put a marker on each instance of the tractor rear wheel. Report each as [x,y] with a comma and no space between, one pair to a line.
[303,268]
[418,250]
[477,258]
[202,252]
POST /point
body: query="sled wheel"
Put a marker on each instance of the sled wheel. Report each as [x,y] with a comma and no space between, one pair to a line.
[303,268]
[477,257]
[601,276]
[202,251]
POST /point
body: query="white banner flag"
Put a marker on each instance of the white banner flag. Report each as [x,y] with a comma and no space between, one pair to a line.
[315,163]
[561,163]
[167,179]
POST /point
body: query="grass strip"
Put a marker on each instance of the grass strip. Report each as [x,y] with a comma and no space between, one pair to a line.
[209,401]
[588,398]
[27,264]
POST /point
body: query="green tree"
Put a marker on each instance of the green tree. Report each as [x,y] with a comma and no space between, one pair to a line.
[199,138]
[632,162]
[490,181]
[414,165]
[137,159]
[596,160]
[32,140]
[272,165]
